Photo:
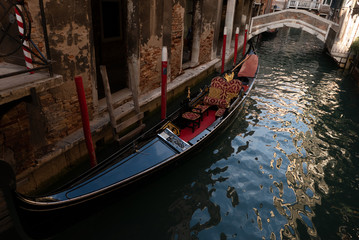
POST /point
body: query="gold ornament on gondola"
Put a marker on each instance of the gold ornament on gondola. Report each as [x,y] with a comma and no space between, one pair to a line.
[229,77]
[172,127]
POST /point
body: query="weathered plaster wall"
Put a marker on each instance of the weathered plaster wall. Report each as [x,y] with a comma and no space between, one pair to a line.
[247,11]
[209,18]
[31,126]
[69,30]
[206,43]
[177,38]
[238,16]
[151,25]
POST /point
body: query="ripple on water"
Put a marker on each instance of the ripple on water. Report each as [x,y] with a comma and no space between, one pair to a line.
[275,173]
[285,169]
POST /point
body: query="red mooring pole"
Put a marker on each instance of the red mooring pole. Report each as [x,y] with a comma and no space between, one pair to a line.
[245,40]
[164,83]
[236,46]
[224,48]
[85,120]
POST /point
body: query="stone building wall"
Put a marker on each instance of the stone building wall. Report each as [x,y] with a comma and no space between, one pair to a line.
[177,39]
[15,136]
[46,117]
[150,67]
[206,44]
[70,41]
[33,125]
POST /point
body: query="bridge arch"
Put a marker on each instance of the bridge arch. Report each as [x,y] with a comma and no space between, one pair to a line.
[296,18]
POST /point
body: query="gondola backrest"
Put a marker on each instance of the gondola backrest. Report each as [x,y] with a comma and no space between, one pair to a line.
[217,93]
[233,89]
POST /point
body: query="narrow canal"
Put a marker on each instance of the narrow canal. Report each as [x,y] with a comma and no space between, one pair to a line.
[286,169]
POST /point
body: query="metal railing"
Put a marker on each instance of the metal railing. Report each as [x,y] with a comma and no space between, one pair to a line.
[15,33]
[304,4]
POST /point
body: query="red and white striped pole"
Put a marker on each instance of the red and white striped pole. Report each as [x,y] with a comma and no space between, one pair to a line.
[236,46]
[245,39]
[164,83]
[25,43]
[224,48]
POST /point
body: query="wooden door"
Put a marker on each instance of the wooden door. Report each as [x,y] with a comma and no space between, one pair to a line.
[109,25]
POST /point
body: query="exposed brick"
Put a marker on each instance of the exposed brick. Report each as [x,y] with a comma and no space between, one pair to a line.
[15,135]
[176,40]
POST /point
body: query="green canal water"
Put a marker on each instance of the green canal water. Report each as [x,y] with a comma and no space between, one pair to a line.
[286,169]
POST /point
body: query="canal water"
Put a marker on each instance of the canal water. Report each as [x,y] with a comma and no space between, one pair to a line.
[286,169]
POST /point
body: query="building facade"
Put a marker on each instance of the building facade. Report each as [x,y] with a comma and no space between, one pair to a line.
[40,123]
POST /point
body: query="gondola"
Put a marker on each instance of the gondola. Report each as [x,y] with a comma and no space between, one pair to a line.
[199,119]
[270,33]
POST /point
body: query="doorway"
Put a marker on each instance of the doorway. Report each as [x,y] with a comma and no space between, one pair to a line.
[109,30]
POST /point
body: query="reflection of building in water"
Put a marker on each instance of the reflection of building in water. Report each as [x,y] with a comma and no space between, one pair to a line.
[305,176]
[303,183]
[196,212]
[301,151]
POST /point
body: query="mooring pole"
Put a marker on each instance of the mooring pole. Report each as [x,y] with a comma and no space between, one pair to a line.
[25,42]
[164,83]
[236,46]
[224,48]
[245,40]
[85,120]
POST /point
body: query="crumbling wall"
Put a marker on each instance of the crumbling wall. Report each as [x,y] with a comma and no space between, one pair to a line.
[15,136]
[177,39]
[151,21]
[69,31]
[31,126]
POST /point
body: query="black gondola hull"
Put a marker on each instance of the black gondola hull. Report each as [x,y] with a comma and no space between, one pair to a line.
[120,174]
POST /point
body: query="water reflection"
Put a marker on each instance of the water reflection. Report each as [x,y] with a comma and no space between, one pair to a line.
[285,169]
[269,180]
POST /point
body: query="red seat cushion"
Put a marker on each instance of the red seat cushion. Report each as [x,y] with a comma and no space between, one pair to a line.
[191,116]
[200,108]
[233,89]
[222,103]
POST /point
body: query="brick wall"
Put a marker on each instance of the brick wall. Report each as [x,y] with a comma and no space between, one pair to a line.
[15,136]
[206,44]
[56,114]
[177,40]
[21,124]
[150,68]
[62,114]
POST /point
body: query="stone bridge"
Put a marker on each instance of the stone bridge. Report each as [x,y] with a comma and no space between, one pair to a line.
[309,22]
[324,29]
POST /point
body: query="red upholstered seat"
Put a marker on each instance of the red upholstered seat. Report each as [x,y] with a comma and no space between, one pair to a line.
[245,88]
[217,96]
[191,116]
[194,119]
[201,109]
[222,103]
[233,89]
